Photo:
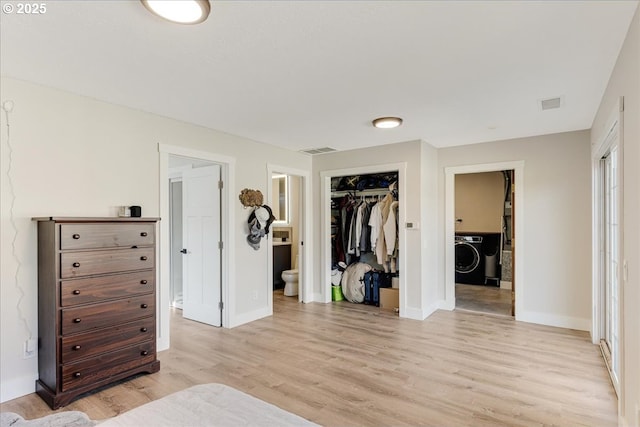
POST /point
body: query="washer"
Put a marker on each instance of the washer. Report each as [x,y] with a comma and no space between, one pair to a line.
[469,259]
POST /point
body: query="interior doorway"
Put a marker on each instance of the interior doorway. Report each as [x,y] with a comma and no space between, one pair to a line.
[195,252]
[484,242]
[289,198]
[517,208]
[227,220]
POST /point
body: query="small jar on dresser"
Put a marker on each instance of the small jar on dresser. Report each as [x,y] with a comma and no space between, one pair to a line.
[96,303]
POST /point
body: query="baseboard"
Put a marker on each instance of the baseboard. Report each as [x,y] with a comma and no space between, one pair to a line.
[505,284]
[318,297]
[412,313]
[241,319]
[554,320]
[420,314]
[18,387]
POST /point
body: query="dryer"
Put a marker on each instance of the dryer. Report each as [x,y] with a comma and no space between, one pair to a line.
[469,259]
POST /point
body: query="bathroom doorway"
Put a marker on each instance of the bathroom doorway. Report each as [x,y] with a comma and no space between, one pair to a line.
[288,198]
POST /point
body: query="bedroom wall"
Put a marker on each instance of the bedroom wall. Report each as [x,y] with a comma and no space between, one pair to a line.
[557,222]
[75,156]
[625,81]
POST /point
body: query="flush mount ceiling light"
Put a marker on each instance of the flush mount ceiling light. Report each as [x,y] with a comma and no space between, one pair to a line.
[180,11]
[387,122]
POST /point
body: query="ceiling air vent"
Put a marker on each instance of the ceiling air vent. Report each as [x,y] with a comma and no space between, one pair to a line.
[322,150]
[550,103]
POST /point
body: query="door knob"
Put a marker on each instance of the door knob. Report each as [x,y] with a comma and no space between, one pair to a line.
[184,251]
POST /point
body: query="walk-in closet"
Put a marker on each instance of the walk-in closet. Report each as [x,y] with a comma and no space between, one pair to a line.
[365,239]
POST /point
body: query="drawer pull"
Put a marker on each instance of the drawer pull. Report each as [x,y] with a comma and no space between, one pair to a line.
[143,282]
[144,234]
[143,258]
[77,375]
[76,292]
[143,329]
[76,264]
[76,347]
[143,306]
[144,353]
[77,320]
[76,236]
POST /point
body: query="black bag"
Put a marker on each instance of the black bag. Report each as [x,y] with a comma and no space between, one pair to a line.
[373,281]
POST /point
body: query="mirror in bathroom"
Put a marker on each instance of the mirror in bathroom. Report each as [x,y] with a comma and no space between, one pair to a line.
[280,197]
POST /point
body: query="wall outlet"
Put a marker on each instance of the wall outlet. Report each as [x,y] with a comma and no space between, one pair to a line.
[29,348]
[254,295]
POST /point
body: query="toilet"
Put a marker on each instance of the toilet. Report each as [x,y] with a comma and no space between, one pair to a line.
[290,278]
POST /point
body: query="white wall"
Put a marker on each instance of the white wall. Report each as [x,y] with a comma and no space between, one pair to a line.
[557,221]
[625,81]
[75,156]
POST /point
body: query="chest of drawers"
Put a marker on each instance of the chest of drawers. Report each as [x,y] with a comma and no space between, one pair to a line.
[96,304]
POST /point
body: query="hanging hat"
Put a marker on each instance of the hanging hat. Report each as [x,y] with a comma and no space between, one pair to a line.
[262,215]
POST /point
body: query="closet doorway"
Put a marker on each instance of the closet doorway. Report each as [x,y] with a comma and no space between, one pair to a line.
[513,229]
[333,191]
[484,242]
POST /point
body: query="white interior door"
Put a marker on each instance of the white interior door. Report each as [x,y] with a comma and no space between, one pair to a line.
[201,250]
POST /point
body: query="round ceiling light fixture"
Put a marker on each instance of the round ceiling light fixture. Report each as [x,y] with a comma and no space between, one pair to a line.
[387,122]
[179,11]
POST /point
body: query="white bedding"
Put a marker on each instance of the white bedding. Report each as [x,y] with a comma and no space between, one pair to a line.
[207,405]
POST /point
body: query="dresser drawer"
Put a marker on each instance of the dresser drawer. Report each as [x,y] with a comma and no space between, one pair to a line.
[79,319]
[76,347]
[89,236]
[77,264]
[97,289]
[105,365]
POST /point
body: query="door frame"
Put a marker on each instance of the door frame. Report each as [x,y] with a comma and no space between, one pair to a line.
[612,134]
[305,292]
[325,226]
[518,229]
[228,165]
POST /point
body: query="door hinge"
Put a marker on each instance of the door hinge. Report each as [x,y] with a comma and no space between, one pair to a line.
[220,305]
[220,245]
[220,185]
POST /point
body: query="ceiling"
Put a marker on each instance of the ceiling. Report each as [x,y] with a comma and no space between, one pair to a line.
[308,74]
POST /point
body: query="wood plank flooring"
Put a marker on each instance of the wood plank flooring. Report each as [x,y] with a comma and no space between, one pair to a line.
[486,299]
[353,365]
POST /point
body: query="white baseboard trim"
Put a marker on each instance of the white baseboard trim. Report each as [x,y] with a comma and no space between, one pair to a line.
[18,387]
[412,313]
[318,297]
[554,320]
[241,319]
[420,314]
[444,305]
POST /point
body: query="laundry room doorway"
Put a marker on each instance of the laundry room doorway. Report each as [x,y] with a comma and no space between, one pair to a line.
[483,240]
[481,227]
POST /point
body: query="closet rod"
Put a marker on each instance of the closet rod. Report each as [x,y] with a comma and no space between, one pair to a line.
[358,193]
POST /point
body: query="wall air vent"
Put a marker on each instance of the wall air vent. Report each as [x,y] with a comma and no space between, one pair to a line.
[550,103]
[322,150]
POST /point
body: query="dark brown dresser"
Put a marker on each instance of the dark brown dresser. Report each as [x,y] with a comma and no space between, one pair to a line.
[96,303]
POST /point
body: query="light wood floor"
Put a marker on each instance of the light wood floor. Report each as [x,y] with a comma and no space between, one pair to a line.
[349,364]
[486,299]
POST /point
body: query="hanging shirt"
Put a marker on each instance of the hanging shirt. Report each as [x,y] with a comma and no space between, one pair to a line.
[375,222]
